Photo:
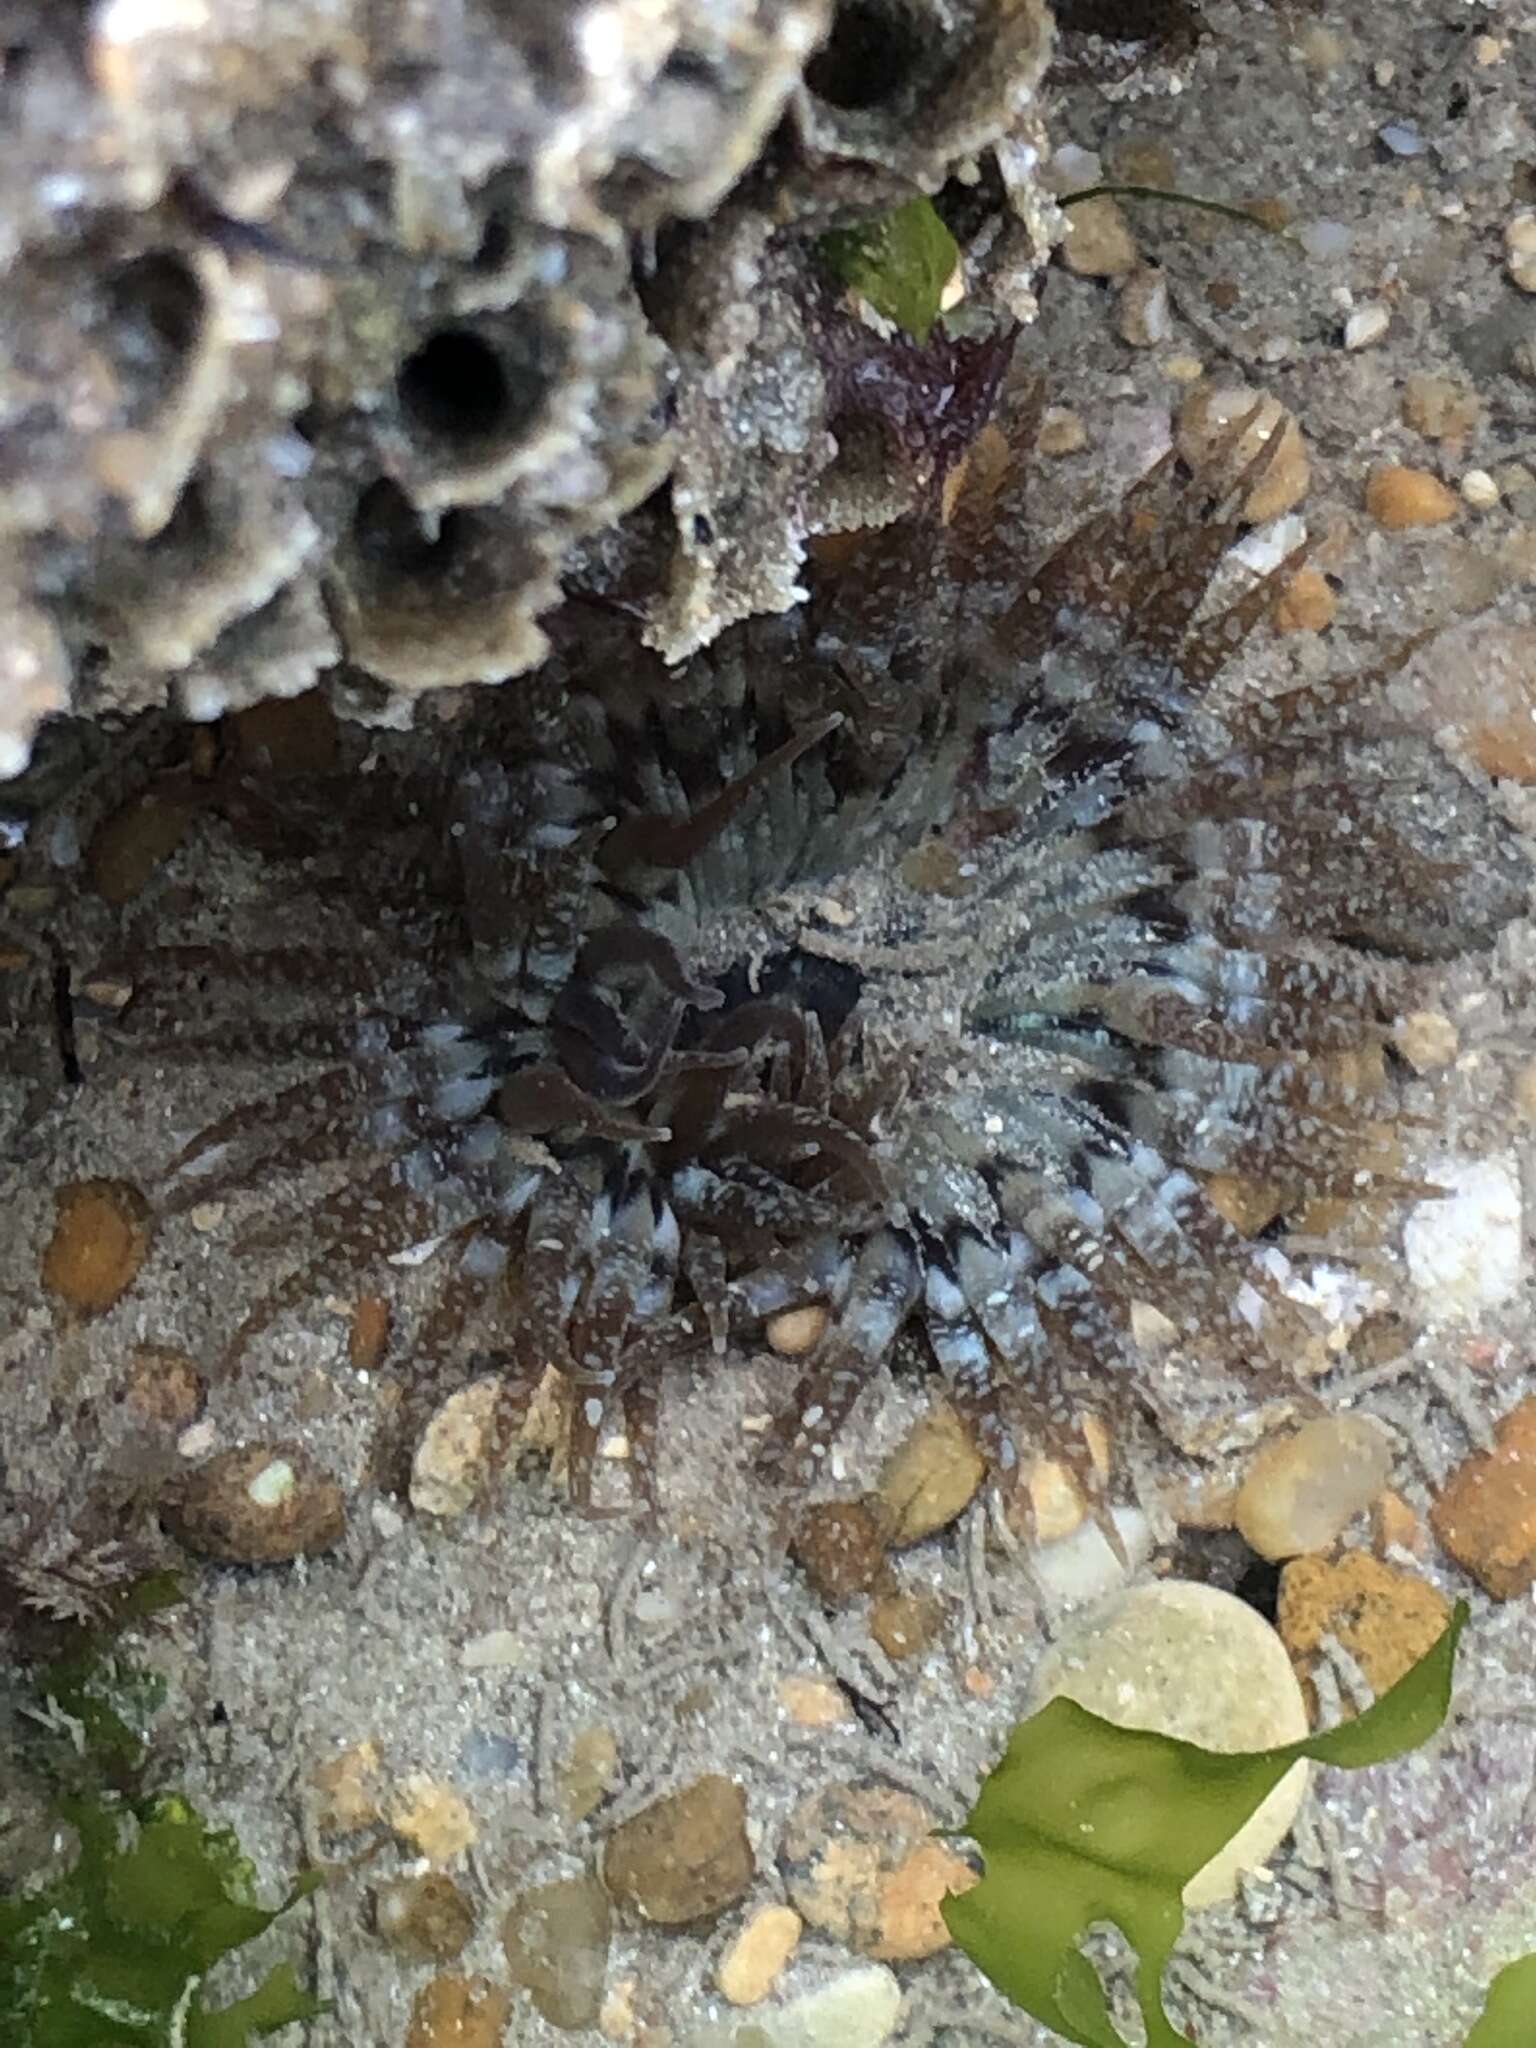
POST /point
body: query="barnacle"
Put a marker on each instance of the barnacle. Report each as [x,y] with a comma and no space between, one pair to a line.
[923,952]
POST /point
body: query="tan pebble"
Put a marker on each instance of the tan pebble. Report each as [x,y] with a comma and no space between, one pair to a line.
[162,1384]
[207,1216]
[1384,1616]
[1479,490]
[590,1772]
[1520,250]
[1057,1503]
[348,1786]
[556,1937]
[547,1425]
[1142,160]
[930,1478]
[616,2021]
[1427,1039]
[1366,325]
[812,1702]
[1183,369]
[1098,240]
[1271,210]
[1485,1514]
[453,1457]
[101,1236]
[368,1332]
[433,1817]
[906,1624]
[748,1970]
[1201,1504]
[840,1546]
[1321,49]
[106,992]
[1397,497]
[427,1917]
[257,1504]
[1439,408]
[981,1685]
[1205,437]
[1249,1205]
[796,1331]
[458,2012]
[685,1857]
[859,1863]
[1394,1525]
[1301,1490]
[127,847]
[1062,431]
[1142,315]
[1307,603]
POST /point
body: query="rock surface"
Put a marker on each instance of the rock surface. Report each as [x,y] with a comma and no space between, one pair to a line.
[259,1504]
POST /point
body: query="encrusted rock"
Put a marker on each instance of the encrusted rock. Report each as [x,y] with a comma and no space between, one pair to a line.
[860,1862]
[746,1973]
[1303,1489]
[101,1236]
[259,1504]
[452,1459]
[556,1937]
[1191,1661]
[427,1917]
[432,1816]
[841,1549]
[458,2012]
[348,1788]
[906,1624]
[929,1478]
[685,1857]
[1384,1616]
[1485,1514]
[127,847]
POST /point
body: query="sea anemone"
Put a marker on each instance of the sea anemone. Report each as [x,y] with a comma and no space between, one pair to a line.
[923,954]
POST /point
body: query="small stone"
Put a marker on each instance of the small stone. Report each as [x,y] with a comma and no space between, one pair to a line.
[1307,603]
[1142,316]
[1191,1661]
[497,1649]
[1463,1248]
[1397,497]
[1394,1525]
[1098,240]
[1520,250]
[812,1702]
[207,1216]
[859,2008]
[1183,369]
[1247,1203]
[102,1232]
[556,1937]
[433,1817]
[458,2012]
[906,1624]
[1302,1490]
[427,1917]
[259,1504]
[1485,1515]
[590,1772]
[748,1970]
[368,1332]
[929,1479]
[860,1863]
[1439,408]
[1427,1040]
[795,1331]
[685,1857]
[1204,436]
[348,1789]
[1083,1566]
[1365,325]
[163,1385]
[1057,1504]
[453,1457]
[128,846]
[1384,1616]
[1062,431]
[840,1547]
[1479,490]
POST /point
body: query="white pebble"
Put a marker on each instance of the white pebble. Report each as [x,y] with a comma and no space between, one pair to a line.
[1463,1248]
[1082,1566]
[858,2008]
[1479,489]
[1365,325]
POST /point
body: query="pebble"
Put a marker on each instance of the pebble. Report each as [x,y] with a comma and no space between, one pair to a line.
[590,1772]
[556,1937]
[795,1331]
[1062,431]
[348,1788]
[451,1460]
[1427,1040]
[1307,603]
[1520,250]
[906,1624]
[859,2008]
[1479,490]
[1439,408]
[1143,317]
[1365,325]
[129,844]
[1394,1525]
[1398,497]
[1191,1661]
[812,1702]
[102,1232]
[1302,1490]
[368,1332]
[685,1857]
[1083,1567]
[163,1385]
[257,1504]
[1098,240]
[751,1966]
[1463,1248]
[493,1651]
[1485,1514]
[433,1817]
[860,1863]
[840,1546]
[458,2012]
[427,1917]
[1385,1616]
[929,1479]
[1202,434]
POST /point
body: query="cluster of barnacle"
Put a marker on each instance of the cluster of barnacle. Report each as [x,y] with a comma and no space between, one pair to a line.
[920,954]
[323,345]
